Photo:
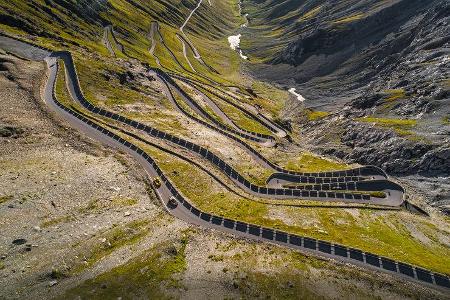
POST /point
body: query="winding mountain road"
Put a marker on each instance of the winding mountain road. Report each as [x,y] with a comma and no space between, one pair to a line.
[108,31]
[258,117]
[213,105]
[196,53]
[186,211]
[393,191]
[185,54]
[264,140]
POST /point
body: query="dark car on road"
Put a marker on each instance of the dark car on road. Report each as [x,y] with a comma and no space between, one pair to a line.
[172,204]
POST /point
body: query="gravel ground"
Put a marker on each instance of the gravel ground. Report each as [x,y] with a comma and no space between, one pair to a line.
[57,189]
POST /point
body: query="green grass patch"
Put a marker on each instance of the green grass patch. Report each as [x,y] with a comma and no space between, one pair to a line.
[311,13]
[92,205]
[270,98]
[349,19]
[309,162]
[97,205]
[5,198]
[117,237]
[122,202]
[393,95]
[61,92]
[378,194]
[144,277]
[263,285]
[57,220]
[400,126]
[314,115]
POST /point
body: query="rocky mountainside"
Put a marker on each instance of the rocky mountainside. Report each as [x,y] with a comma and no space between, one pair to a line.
[341,46]
[379,69]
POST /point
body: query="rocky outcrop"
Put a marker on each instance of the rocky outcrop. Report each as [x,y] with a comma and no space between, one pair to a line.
[380,147]
[368,144]
[435,162]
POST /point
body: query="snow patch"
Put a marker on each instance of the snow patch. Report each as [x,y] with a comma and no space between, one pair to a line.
[234,41]
[299,97]
[242,55]
[246,21]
